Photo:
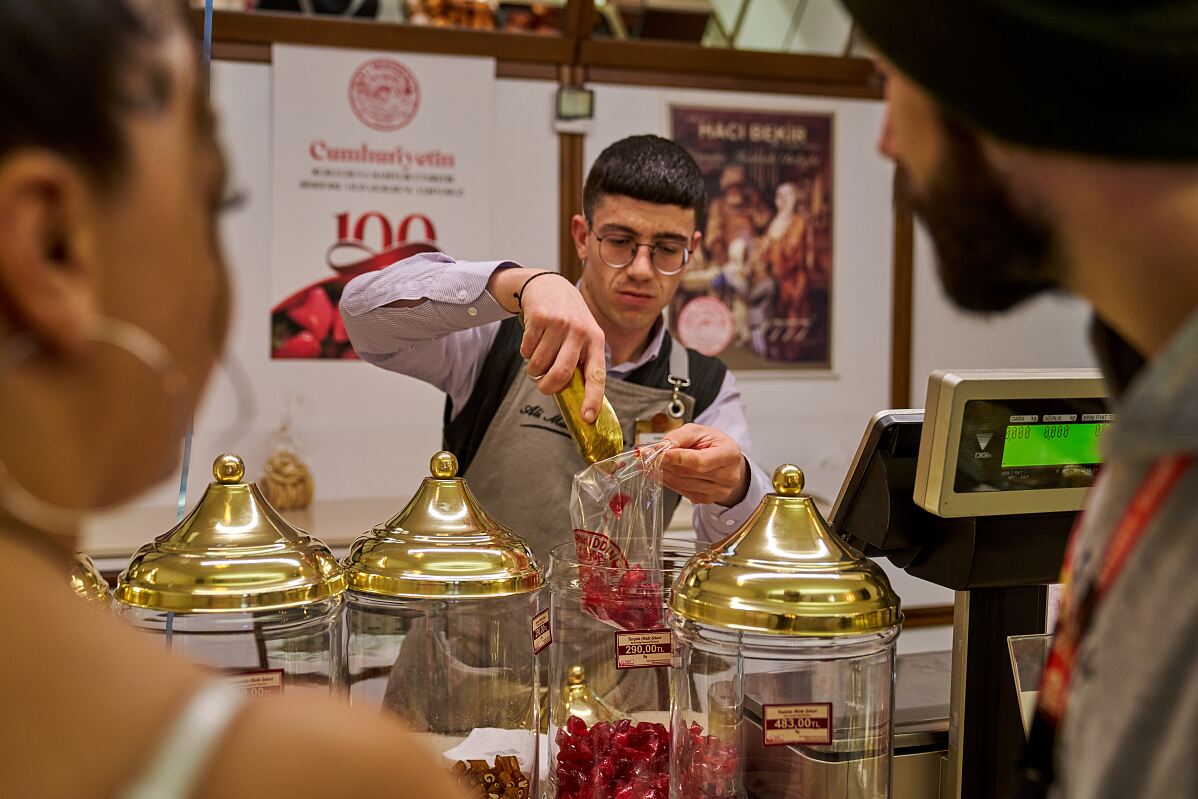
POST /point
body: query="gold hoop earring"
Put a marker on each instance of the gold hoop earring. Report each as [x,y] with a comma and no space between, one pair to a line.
[18,500]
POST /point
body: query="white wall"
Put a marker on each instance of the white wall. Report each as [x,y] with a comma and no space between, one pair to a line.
[1049,331]
[365,432]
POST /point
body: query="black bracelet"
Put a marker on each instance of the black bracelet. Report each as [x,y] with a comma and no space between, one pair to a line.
[519,295]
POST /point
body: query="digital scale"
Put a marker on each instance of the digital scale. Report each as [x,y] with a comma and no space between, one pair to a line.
[978,493]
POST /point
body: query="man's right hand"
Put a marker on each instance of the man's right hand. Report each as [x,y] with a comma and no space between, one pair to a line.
[560,334]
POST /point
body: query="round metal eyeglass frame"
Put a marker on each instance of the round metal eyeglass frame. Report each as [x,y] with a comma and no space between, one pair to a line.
[636,248]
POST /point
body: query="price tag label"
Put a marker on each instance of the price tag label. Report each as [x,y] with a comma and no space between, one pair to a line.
[788,725]
[644,649]
[541,636]
[266,682]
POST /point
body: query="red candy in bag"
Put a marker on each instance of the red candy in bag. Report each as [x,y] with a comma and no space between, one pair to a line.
[617,515]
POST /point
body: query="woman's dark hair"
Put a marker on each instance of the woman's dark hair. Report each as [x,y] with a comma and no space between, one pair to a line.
[647,168]
[69,71]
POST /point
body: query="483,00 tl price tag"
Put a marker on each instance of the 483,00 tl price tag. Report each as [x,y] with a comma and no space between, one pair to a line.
[788,725]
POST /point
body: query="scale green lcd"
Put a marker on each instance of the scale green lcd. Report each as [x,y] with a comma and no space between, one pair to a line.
[1029,445]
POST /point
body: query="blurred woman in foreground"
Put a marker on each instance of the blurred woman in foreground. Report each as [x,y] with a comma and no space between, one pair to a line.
[113,308]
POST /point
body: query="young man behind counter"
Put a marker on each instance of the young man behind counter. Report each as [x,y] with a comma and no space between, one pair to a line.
[453,324]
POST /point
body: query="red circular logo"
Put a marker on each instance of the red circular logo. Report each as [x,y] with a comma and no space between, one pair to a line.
[705,324]
[384,94]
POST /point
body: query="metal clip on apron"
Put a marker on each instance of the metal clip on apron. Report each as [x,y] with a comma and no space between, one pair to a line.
[655,427]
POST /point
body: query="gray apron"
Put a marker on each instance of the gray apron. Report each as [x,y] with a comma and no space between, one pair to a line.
[522,475]
[524,469]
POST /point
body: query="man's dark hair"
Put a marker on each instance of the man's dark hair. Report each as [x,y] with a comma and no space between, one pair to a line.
[69,71]
[647,168]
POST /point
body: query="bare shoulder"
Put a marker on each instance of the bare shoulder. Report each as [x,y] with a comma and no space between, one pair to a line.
[307,744]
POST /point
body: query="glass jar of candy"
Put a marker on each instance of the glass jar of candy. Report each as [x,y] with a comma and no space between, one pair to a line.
[609,677]
[784,673]
[439,631]
[236,587]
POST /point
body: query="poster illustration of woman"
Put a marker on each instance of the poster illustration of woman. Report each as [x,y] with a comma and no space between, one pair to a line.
[758,292]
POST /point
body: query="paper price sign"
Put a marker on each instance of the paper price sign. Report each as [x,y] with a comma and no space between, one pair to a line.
[787,725]
[541,636]
[258,683]
[644,649]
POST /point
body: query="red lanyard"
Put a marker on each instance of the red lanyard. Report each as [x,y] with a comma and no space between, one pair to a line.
[1076,617]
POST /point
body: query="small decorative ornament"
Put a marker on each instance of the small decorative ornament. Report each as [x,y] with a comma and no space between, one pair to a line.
[287,482]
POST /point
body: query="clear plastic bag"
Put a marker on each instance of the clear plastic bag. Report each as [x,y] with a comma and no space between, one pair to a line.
[617,515]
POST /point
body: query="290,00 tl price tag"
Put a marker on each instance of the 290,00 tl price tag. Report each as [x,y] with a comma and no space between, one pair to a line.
[787,725]
[644,649]
[541,634]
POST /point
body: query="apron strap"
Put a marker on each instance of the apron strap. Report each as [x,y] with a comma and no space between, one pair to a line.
[680,362]
[679,377]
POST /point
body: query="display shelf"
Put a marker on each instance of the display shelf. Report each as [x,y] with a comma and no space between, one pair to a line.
[247,37]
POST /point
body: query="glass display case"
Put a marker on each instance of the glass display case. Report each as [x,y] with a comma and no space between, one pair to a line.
[784,662]
[438,623]
[235,587]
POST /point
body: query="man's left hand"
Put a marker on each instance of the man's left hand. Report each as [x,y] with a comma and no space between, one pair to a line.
[705,466]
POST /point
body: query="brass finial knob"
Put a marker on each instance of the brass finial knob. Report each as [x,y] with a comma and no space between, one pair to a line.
[444,465]
[228,469]
[788,480]
[576,676]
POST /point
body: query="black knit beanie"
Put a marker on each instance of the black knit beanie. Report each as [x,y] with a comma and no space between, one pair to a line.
[1112,78]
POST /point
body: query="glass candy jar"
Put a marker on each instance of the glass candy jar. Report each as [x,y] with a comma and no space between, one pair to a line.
[784,671]
[609,680]
[235,587]
[438,625]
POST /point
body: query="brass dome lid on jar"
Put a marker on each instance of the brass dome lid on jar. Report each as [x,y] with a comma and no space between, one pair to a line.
[443,544]
[233,552]
[87,582]
[784,573]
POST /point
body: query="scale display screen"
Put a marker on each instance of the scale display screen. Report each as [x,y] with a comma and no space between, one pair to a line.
[1024,444]
[1027,445]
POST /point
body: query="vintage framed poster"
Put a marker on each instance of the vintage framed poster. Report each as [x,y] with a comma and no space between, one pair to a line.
[759,292]
[376,157]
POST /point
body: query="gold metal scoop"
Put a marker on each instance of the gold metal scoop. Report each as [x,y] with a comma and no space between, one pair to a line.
[596,441]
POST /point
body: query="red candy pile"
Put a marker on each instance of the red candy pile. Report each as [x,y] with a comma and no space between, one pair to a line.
[630,602]
[613,761]
[707,766]
[307,325]
[623,761]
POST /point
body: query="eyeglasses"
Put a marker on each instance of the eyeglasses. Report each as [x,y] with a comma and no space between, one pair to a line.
[619,250]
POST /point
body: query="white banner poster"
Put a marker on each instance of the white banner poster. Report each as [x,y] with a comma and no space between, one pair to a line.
[376,156]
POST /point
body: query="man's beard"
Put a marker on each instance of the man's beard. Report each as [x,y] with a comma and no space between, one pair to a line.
[991,255]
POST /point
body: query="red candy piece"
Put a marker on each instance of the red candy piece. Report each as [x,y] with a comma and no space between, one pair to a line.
[338,333]
[313,312]
[618,503]
[302,345]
